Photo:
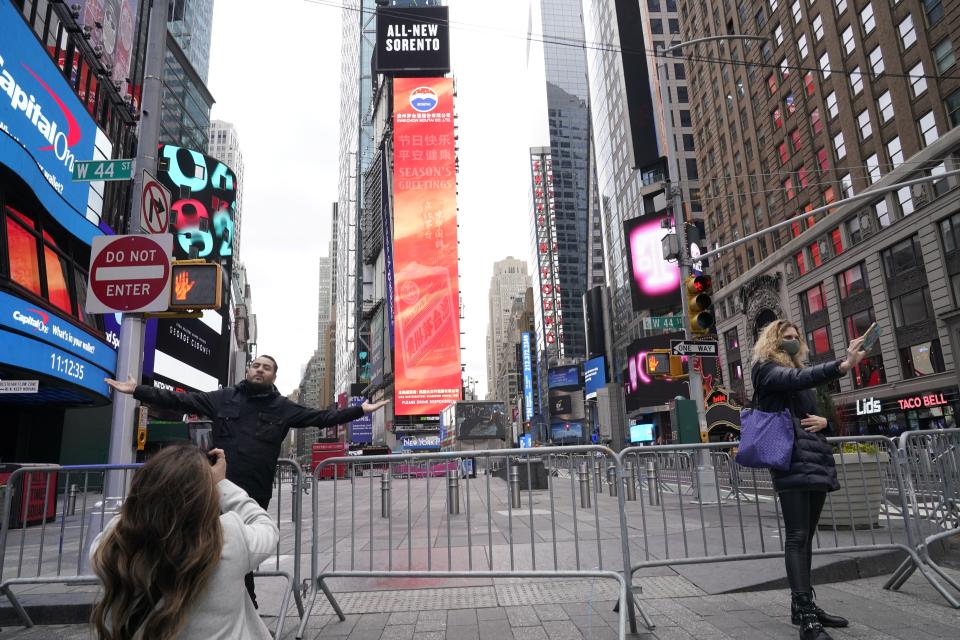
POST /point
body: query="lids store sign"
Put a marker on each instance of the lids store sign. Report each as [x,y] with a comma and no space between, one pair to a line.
[870,406]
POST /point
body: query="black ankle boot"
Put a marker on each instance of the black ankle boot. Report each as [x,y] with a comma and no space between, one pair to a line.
[826,619]
[810,626]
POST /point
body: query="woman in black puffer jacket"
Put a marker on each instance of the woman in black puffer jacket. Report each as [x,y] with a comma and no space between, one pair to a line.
[781,382]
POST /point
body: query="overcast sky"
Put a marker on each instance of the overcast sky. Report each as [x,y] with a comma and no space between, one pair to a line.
[275,74]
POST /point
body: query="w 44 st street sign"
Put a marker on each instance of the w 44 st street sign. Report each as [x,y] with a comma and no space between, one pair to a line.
[93,170]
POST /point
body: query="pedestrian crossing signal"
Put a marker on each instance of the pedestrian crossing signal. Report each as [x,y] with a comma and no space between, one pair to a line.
[141,438]
[662,364]
[196,284]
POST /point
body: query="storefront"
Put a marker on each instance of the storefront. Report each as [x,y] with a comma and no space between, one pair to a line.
[53,356]
[891,416]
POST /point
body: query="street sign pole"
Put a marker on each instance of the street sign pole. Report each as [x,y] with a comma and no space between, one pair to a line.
[706,480]
[130,351]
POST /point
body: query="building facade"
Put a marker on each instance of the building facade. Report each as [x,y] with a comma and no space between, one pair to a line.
[629,137]
[844,98]
[507,284]
[191,25]
[225,145]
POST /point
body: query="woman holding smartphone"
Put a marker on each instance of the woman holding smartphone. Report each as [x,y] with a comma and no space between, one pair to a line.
[781,382]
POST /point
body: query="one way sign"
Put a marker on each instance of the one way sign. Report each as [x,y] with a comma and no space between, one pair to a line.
[688,348]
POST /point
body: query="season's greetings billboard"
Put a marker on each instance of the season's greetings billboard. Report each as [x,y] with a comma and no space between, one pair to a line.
[426,304]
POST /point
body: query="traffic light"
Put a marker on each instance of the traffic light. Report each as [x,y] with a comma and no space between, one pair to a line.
[699,303]
[662,364]
[196,284]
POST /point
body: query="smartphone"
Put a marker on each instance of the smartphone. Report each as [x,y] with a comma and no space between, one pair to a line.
[870,336]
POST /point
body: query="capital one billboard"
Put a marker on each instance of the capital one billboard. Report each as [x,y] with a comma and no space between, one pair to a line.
[426,298]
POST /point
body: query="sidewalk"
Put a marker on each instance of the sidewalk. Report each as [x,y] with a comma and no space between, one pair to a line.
[581,609]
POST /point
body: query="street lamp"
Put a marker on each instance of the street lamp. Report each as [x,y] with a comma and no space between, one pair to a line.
[705,472]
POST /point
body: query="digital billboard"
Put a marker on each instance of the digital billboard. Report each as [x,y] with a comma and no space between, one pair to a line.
[594,376]
[654,282]
[527,354]
[44,128]
[481,420]
[546,287]
[641,432]
[427,300]
[566,431]
[361,429]
[640,390]
[412,41]
[111,25]
[565,395]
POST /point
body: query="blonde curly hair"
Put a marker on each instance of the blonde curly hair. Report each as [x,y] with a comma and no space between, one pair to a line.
[768,345]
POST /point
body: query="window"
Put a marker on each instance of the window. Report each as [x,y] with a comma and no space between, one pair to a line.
[928,128]
[778,35]
[674,25]
[777,118]
[818,341]
[802,46]
[784,155]
[952,103]
[882,213]
[895,151]
[772,83]
[846,186]
[815,121]
[679,71]
[832,108]
[785,68]
[656,26]
[856,81]
[788,188]
[885,103]
[797,14]
[922,359]
[839,146]
[816,257]
[836,239]
[823,159]
[911,308]
[795,139]
[902,258]
[934,11]
[825,65]
[818,28]
[791,104]
[682,95]
[943,54]
[851,281]
[808,83]
[905,201]
[918,80]
[761,19]
[802,177]
[950,233]
[876,62]
[813,300]
[798,260]
[873,168]
[907,34]
[866,19]
[841,6]
[869,372]
[22,249]
[853,230]
[863,122]
[849,45]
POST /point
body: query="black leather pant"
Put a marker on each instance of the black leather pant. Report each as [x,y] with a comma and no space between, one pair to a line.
[801,512]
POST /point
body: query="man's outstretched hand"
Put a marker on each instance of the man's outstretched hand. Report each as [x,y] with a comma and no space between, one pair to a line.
[370,408]
[127,387]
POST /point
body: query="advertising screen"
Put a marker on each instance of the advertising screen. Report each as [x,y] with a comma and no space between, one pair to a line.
[641,433]
[413,41]
[640,390]
[594,376]
[27,353]
[427,299]
[192,342]
[527,352]
[565,394]
[562,431]
[481,420]
[654,282]
[564,377]
[111,24]
[44,128]
[361,430]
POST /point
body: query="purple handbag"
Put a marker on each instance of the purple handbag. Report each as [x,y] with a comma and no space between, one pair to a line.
[766,439]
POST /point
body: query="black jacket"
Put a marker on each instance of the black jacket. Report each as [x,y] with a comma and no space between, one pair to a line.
[249,426]
[778,388]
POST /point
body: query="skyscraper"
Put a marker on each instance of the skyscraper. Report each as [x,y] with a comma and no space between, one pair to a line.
[224,145]
[629,140]
[185,112]
[560,179]
[508,283]
[190,24]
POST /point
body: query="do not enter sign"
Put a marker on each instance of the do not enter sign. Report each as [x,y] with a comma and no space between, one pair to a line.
[129,274]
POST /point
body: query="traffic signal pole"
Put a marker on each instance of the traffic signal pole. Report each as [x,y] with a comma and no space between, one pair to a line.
[130,351]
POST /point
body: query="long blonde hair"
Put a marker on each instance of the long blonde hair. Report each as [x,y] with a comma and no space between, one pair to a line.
[158,558]
[768,345]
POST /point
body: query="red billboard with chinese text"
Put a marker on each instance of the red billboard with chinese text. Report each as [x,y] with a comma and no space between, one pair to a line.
[426,299]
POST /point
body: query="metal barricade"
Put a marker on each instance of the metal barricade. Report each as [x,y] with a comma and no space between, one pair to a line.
[52,513]
[549,535]
[930,499]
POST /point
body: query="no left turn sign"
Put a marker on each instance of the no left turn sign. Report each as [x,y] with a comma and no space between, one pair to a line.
[155,205]
[129,274]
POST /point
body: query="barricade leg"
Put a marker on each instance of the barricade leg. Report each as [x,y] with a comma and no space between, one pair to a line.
[24,616]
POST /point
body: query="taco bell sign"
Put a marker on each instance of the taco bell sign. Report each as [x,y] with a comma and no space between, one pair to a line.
[527,375]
